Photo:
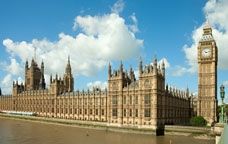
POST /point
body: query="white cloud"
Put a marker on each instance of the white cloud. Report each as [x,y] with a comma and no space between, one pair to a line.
[101,39]
[167,65]
[7,84]
[97,84]
[217,14]
[14,67]
[21,49]
[136,72]
[118,7]
[7,79]
[225,83]
[179,71]
[134,27]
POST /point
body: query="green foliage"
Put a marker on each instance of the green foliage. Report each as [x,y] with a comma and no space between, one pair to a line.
[198,121]
[225,109]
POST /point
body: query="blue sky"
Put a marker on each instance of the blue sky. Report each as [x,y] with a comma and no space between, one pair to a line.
[167,29]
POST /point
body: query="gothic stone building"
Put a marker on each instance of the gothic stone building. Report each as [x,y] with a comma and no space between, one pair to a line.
[143,103]
[207,76]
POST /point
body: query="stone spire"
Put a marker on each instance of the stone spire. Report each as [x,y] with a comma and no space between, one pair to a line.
[68,67]
[187,92]
[155,63]
[42,67]
[132,75]
[207,29]
[109,70]
[26,65]
[42,79]
[51,79]
[140,66]
[163,68]
[56,77]
[68,79]
[121,67]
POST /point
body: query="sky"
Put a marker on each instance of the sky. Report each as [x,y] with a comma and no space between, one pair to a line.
[95,33]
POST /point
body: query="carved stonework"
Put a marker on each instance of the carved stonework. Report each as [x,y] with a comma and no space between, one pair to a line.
[207,76]
[147,83]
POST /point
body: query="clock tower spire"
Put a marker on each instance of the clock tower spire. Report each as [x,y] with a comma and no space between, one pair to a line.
[207,76]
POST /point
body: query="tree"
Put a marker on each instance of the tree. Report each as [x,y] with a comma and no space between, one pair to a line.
[225,109]
[198,121]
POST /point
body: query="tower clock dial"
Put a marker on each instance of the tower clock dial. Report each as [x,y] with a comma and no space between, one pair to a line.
[206,52]
[207,76]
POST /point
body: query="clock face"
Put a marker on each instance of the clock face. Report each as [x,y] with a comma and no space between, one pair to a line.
[206,52]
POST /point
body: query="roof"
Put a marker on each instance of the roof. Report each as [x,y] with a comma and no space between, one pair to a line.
[207,38]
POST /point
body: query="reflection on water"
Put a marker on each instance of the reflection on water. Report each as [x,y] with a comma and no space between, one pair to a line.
[25,132]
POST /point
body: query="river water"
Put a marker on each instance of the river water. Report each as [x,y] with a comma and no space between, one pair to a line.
[27,132]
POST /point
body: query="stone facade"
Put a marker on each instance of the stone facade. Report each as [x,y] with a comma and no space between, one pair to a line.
[207,76]
[143,103]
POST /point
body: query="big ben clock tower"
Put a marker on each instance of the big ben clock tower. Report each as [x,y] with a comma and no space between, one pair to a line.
[207,76]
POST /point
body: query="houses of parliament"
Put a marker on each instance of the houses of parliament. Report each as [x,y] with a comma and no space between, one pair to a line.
[146,102]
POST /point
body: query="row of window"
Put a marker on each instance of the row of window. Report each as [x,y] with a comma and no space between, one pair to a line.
[130,100]
[147,100]
[147,112]
[79,111]
[60,102]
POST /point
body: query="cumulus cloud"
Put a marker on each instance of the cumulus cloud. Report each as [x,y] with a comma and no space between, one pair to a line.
[6,84]
[216,13]
[179,71]
[6,80]
[225,83]
[134,26]
[102,38]
[118,7]
[167,65]
[97,84]
[14,67]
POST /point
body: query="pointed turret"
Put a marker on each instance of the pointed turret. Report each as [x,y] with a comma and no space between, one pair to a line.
[68,79]
[187,92]
[26,65]
[140,66]
[68,67]
[207,33]
[167,88]
[207,29]
[163,68]
[51,79]
[42,67]
[132,75]
[155,63]
[42,79]
[121,67]
[33,63]
[109,70]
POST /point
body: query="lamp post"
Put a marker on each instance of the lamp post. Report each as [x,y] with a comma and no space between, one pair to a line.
[222,94]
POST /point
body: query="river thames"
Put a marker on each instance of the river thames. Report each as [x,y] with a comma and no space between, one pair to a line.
[27,132]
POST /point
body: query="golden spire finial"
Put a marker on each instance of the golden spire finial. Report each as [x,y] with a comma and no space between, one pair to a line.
[207,23]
